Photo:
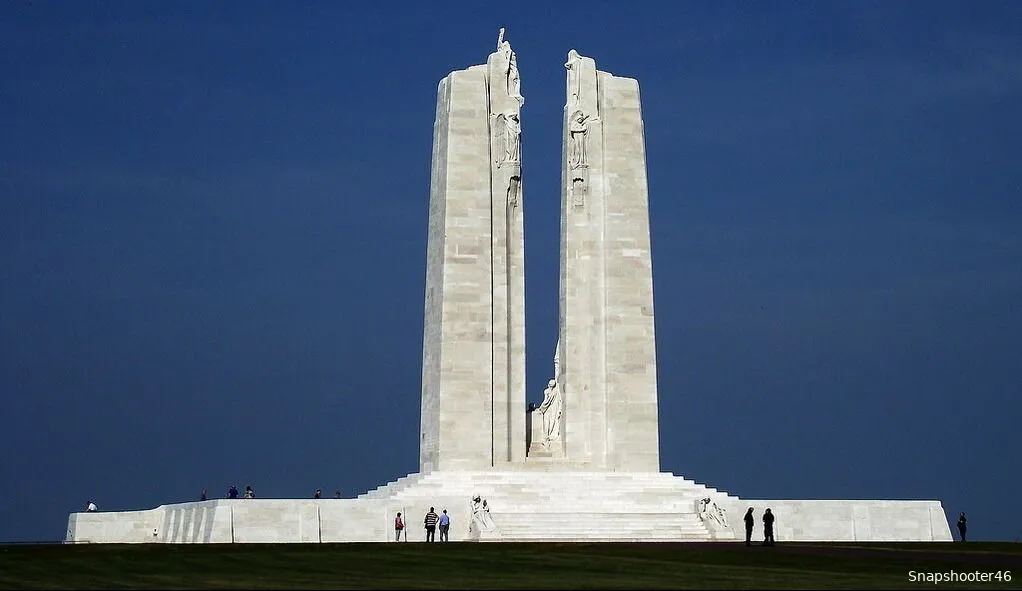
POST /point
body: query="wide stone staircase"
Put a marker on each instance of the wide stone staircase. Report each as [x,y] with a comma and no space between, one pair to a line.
[536,505]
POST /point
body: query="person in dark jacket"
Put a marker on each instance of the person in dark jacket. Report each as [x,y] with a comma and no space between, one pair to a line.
[768,528]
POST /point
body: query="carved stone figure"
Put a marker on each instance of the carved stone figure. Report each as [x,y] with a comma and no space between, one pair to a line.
[550,410]
[712,514]
[578,192]
[546,418]
[500,38]
[507,142]
[514,82]
[514,192]
[481,518]
[574,66]
[578,127]
[512,139]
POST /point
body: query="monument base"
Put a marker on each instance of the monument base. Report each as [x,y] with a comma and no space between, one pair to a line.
[530,504]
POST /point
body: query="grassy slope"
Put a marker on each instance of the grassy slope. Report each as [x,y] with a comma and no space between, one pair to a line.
[500,566]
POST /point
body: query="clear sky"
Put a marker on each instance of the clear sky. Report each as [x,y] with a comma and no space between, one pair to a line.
[213,231]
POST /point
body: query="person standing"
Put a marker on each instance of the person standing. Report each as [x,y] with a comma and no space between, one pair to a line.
[750,521]
[768,528]
[399,526]
[430,523]
[962,521]
[445,527]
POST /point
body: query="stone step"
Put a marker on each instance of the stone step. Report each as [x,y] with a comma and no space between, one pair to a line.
[609,532]
[561,490]
[540,485]
[669,492]
[665,508]
[629,513]
[585,534]
[599,538]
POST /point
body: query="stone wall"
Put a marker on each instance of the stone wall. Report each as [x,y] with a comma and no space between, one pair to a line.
[844,520]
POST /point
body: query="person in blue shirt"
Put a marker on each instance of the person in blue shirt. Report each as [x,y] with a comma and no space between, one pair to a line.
[445,527]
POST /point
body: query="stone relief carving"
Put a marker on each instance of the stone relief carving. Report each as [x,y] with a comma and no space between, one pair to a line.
[711,513]
[514,192]
[481,518]
[578,128]
[511,126]
[579,189]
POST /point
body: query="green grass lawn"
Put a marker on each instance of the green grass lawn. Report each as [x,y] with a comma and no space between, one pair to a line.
[502,566]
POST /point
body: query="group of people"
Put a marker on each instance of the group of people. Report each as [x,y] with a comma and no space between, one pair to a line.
[768,527]
[431,522]
[319,494]
[232,493]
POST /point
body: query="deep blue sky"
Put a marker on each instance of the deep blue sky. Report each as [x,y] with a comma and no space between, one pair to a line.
[213,231]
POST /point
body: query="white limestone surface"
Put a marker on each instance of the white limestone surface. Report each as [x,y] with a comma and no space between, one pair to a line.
[606,328]
[845,520]
[473,360]
[572,505]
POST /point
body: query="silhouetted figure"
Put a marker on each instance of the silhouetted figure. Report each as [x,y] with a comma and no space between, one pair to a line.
[961,525]
[768,528]
[318,494]
[202,497]
[430,523]
[750,522]
[249,493]
[232,493]
[91,507]
[337,494]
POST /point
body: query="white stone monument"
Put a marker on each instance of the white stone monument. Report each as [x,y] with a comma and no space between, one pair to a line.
[473,357]
[584,465]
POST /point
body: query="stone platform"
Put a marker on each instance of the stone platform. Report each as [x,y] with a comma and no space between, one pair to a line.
[523,505]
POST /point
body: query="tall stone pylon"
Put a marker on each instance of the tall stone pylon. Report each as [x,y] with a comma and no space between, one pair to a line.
[605,369]
[473,351]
